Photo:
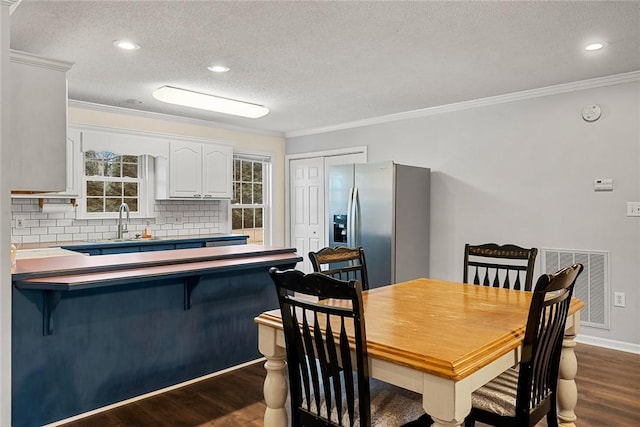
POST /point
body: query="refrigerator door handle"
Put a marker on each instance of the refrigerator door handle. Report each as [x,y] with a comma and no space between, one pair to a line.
[355,215]
[350,218]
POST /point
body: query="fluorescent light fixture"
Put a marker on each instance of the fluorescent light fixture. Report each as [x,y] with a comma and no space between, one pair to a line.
[218,68]
[126,44]
[594,46]
[188,98]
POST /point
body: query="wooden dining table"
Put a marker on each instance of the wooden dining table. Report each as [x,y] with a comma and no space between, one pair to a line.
[440,339]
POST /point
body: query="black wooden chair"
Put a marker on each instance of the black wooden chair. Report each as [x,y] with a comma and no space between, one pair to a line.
[500,266]
[522,396]
[342,263]
[327,386]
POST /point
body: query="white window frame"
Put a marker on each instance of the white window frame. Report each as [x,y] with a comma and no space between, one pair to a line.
[267,191]
[143,190]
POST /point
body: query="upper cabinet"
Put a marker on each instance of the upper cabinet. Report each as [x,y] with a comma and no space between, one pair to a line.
[74,163]
[196,171]
[37,117]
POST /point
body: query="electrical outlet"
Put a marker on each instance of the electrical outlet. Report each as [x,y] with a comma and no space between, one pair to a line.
[633,208]
[618,299]
[19,221]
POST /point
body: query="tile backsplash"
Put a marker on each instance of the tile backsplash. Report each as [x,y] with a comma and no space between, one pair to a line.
[57,222]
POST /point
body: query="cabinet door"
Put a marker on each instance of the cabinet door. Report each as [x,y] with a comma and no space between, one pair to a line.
[37,118]
[74,162]
[216,170]
[185,169]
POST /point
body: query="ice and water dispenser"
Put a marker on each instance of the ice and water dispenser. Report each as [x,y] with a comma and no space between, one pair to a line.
[340,229]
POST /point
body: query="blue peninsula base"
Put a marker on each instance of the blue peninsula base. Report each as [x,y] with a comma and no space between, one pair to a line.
[110,344]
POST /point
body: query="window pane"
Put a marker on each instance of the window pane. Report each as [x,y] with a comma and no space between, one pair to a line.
[246,171]
[236,170]
[258,235]
[132,203]
[257,193]
[131,189]
[112,204]
[95,188]
[257,172]
[130,159]
[246,193]
[112,168]
[94,204]
[130,170]
[236,193]
[236,218]
[113,188]
[258,215]
[248,218]
[93,168]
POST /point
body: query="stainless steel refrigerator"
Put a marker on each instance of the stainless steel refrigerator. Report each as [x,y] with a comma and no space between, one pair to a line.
[383,207]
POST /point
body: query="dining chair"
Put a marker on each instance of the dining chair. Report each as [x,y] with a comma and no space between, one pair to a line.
[501,266]
[523,395]
[342,263]
[329,387]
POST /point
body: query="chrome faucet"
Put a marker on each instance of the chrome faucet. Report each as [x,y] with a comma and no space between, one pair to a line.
[122,228]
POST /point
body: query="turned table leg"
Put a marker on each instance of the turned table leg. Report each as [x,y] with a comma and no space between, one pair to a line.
[275,393]
[440,423]
[567,390]
[275,387]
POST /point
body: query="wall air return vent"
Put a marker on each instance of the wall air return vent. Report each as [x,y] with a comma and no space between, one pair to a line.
[592,285]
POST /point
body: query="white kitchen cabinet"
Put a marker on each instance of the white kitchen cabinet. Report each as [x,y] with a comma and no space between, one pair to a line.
[73,170]
[37,118]
[217,169]
[74,164]
[196,171]
[185,169]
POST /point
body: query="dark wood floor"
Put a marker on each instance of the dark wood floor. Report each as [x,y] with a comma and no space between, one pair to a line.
[608,387]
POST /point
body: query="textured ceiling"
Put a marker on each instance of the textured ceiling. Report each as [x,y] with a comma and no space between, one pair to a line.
[318,64]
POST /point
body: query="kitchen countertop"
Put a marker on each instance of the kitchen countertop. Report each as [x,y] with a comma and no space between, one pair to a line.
[127,263]
[45,253]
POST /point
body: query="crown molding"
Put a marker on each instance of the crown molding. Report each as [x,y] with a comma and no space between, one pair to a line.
[39,61]
[615,79]
[161,116]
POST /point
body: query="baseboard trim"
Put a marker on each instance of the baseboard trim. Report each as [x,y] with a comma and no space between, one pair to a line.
[153,393]
[607,343]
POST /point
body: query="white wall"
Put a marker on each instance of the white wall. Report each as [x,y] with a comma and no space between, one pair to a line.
[242,140]
[522,172]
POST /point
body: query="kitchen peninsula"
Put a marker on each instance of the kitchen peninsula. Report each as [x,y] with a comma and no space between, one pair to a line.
[89,331]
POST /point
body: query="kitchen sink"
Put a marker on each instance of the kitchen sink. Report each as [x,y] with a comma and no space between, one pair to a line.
[116,240]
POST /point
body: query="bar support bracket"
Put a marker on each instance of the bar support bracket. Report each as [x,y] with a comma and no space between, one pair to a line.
[50,300]
[190,284]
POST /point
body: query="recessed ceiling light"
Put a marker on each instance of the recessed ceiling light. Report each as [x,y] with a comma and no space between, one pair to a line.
[203,101]
[218,68]
[126,44]
[594,46]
